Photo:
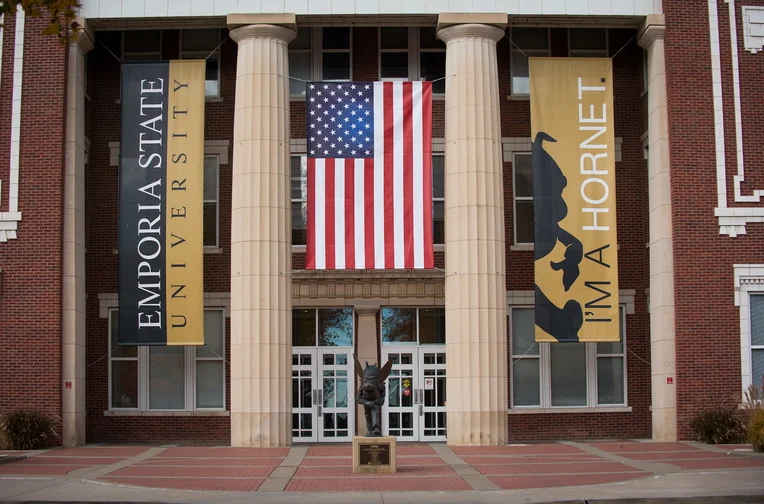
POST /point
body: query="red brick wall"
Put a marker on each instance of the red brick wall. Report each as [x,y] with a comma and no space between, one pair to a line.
[708,362]
[31,278]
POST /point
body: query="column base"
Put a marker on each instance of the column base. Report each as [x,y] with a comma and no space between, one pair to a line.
[477,428]
[74,429]
[261,430]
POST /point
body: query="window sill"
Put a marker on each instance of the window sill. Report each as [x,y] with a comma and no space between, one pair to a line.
[213,250]
[438,247]
[519,97]
[540,411]
[167,413]
[530,247]
[300,249]
[213,99]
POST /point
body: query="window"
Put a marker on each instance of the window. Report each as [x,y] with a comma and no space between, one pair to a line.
[522,186]
[335,54]
[438,199]
[564,375]
[757,339]
[432,59]
[532,42]
[424,326]
[199,44]
[169,378]
[587,42]
[325,327]
[141,45]
[394,53]
[211,196]
[300,61]
[299,195]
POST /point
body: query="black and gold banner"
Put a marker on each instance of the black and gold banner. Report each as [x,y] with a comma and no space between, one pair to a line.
[161,179]
[576,257]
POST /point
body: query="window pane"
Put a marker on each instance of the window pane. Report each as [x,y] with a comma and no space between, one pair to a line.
[525,382]
[395,65]
[757,358]
[530,38]
[568,374]
[438,176]
[213,335]
[299,67]
[394,37]
[757,320]
[335,327]
[124,384]
[141,57]
[142,40]
[303,39]
[524,221]
[432,326]
[210,382]
[613,347]
[438,222]
[210,178]
[119,351]
[520,81]
[336,38]
[336,66]
[299,223]
[588,38]
[304,327]
[432,65]
[200,40]
[523,175]
[610,380]
[299,178]
[428,40]
[167,377]
[211,83]
[524,332]
[210,224]
[398,325]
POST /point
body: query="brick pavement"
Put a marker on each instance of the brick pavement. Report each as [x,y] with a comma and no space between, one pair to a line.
[421,467]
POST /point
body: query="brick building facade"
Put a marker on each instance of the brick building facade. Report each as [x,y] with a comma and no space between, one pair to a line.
[691,245]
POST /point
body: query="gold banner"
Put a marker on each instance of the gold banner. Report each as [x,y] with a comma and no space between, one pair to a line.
[576,257]
[184,205]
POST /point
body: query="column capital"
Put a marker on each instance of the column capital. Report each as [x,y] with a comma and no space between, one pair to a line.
[263,31]
[366,308]
[472,30]
[652,30]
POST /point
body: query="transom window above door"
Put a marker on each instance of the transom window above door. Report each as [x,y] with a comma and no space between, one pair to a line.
[423,326]
[324,327]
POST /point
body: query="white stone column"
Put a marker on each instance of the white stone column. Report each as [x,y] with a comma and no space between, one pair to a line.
[261,303]
[73,324]
[476,337]
[662,334]
[368,345]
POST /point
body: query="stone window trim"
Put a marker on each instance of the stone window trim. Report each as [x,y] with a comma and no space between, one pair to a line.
[109,300]
[298,146]
[749,280]
[211,148]
[753,26]
[516,298]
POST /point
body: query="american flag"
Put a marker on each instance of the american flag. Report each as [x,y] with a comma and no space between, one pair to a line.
[369,175]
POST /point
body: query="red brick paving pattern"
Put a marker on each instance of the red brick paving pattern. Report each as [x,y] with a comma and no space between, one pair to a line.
[529,460]
[347,472]
[206,462]
[85,461]
[209,484]
[38,470]
[540,449]
[195,472]
[375,484]
[656,456]
[642,447]
[596,467]
[348,461]
[514,482]
[100,451]
[728,463]
[198,451]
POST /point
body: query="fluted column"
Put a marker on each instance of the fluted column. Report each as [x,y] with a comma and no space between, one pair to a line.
[73,323]
[476,340]
[261,317]
[662,332]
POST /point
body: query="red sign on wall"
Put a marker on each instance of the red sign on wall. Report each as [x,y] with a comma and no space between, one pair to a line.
[68,384]
[669,380]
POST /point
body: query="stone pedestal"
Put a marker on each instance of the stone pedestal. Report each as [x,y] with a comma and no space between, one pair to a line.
[374,455]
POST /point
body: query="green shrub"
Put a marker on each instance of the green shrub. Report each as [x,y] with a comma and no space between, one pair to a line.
[722,424]
[25,430]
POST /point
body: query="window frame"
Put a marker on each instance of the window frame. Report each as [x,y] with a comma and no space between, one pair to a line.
[589,53]
[545,372]
[313,60]
[412,40]
[215,53]
[439,200]
[216,201]
[318,36]
[751,346]
[316,309]
[417,35]
[529,52]
[418,327]
[303,190]
[189,378]
[516,198]
[149,55]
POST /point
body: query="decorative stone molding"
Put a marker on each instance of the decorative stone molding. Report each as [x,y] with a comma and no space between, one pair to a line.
[107,301]
[510,145]
[527,298]
[211,148]
[359,288]
[280,33]
[300,146]
[653,29]
[749,278]
[470,30]
[753,26]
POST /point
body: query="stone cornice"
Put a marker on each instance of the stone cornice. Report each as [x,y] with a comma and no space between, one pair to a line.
[470,30]
[86,37]
[652,30]
[281,33]
[392,275]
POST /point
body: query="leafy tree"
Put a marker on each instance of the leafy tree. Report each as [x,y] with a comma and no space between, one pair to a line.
[61,14]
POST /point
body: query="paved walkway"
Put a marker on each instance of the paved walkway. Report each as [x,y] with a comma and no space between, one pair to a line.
[421,467]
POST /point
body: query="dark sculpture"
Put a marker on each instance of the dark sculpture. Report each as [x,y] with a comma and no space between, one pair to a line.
[371,393]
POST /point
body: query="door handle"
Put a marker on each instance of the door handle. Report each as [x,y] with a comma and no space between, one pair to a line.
[320,401]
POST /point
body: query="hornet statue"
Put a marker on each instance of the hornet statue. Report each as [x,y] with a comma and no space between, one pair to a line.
[371,393]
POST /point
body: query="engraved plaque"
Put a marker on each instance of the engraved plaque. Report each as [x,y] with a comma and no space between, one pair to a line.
[374,454]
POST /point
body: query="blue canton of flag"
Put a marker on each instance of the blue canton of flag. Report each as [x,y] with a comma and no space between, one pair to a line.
[340,119]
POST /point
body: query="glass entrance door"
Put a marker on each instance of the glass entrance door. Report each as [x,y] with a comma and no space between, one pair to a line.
[415,408]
